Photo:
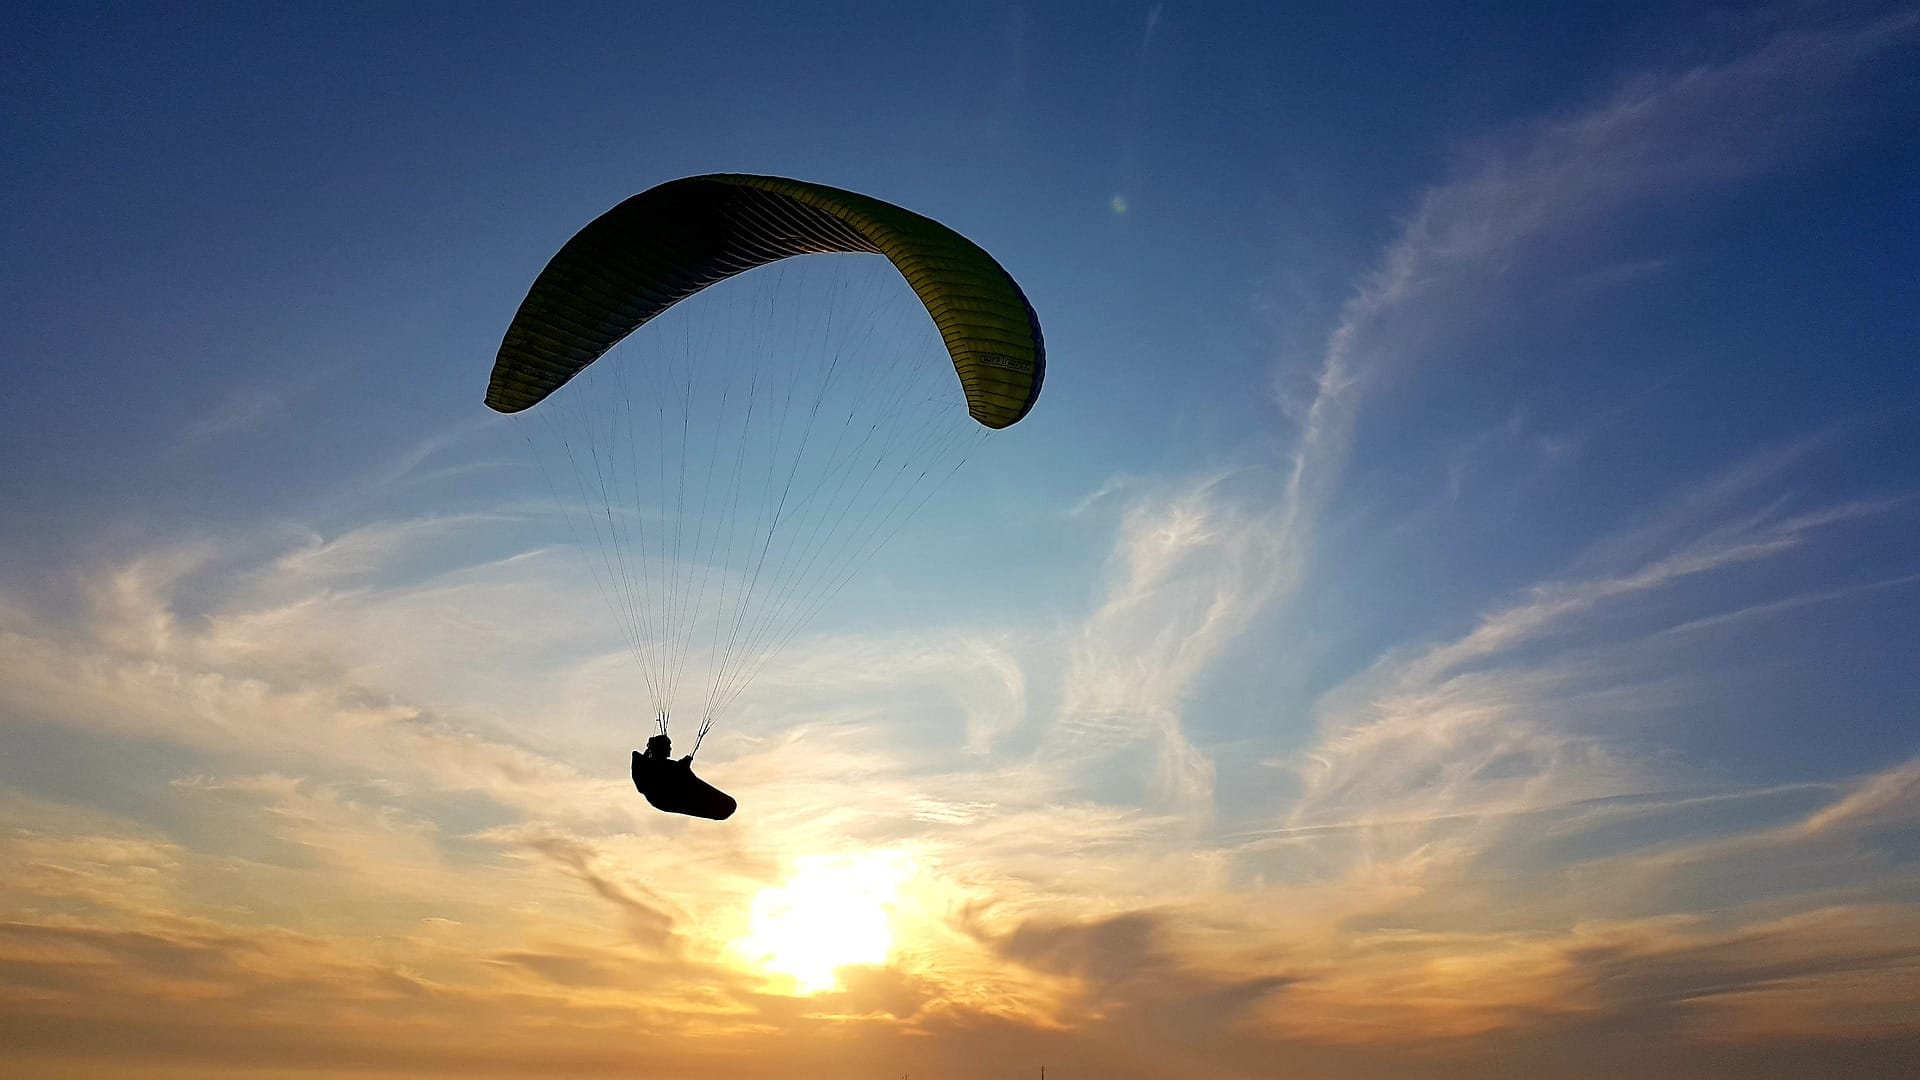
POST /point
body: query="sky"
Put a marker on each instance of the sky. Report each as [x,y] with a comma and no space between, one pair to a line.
[1451,611]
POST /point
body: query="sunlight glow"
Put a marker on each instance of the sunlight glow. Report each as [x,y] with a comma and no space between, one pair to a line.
[833,911]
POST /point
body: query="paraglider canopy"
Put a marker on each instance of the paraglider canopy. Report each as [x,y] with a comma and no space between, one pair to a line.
[667,243]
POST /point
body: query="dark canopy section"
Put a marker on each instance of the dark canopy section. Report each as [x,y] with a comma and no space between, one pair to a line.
[667,243]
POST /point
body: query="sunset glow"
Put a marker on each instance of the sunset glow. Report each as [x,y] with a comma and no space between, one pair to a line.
[832,911]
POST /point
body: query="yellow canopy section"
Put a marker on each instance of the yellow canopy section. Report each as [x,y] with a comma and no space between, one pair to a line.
[667,243]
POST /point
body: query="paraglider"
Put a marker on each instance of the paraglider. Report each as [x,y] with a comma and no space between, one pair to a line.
[736,477]
[671,785]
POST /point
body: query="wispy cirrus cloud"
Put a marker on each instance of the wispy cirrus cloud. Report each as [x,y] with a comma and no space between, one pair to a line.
[1456,761]
[1514,214]
[1189,571]
[1523,202]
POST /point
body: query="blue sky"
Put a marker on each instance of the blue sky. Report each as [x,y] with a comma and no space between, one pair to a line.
[1454,602]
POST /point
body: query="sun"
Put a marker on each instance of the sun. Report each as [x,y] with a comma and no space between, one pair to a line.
[834,910]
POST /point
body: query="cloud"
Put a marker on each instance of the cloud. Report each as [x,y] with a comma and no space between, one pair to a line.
[242,408]
[1444,773]
[1834,971]
[1112,486]
[1891,798]
[1434,752]
[1473,775]
[1190,572]
[1520,203]
[648,923]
